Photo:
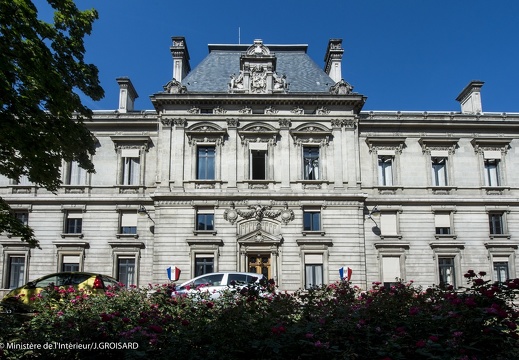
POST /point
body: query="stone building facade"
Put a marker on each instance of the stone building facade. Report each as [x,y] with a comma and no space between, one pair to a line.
[260,160]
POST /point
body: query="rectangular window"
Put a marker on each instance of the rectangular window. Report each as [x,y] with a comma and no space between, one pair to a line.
[446,271]
[16,271]
[204,265]
[388,223]
[442,223]
[126,271]
[385,170]
[73,222]
[313,270]
[204,221]
[23,217]
[501,269]
[495,221]
[312,220]
[76,175]
[128,222]
[311,163]
[206,163]
[492,172]
[70,263]
[131,170]
[390,270]
[258,161]
[439,171]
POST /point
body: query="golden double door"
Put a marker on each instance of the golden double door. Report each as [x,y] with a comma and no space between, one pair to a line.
[260,264]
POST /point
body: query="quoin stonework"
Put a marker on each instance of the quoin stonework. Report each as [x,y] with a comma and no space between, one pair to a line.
[260,160]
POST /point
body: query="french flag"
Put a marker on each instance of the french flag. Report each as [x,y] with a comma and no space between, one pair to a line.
[173,273]
[348,273]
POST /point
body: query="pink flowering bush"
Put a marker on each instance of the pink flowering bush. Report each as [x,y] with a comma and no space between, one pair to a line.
[337,321]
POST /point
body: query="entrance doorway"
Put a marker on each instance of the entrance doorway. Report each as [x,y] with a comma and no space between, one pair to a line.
[260,264]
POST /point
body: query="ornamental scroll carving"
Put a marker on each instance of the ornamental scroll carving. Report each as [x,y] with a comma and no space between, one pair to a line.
[259,212]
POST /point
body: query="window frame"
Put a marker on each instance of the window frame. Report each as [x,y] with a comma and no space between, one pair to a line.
[492,172]
[314,212]
[441,267]
[386,280]
[207,159]
[19,252]
[24,214]
[437,179]
[118,269]
[78,217]
[76,172]
[255,164]
[382,170]
[131,171]
[309,259]
[124,217]
[310,159]
[204,265]
[497,223]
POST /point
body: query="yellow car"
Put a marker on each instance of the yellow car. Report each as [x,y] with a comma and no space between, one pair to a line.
[20,299]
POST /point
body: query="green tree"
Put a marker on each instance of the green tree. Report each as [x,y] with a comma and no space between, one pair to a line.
[41,114]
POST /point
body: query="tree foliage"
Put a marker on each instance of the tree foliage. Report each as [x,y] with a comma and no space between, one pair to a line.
[42,70]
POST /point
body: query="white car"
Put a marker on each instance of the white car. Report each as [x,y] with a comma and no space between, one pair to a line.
[215,283]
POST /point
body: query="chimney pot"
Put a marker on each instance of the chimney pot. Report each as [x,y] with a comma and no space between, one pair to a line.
[127,94]
[470,98]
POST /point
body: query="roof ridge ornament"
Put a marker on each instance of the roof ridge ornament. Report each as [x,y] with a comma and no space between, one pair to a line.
[341,88]
[174,87]
[258,49]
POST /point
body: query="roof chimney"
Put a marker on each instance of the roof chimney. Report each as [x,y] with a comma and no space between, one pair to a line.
[180,55]
[470,98]
[332,59]
[127,94]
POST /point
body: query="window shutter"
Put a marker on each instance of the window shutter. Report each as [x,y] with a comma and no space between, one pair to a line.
[388,224]
[70,259]
[313,258]
[439,153]
[492,154]
[74,215]
[442,220]
[130,153]
[129,219]
[391,268]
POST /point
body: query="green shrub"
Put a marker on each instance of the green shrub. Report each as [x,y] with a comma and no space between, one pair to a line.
[337,321]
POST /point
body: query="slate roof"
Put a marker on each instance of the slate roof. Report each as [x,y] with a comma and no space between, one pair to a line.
[213,73]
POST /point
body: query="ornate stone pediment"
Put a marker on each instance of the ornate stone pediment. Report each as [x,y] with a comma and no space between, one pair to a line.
[205,132]
[260,236]
[396,143]
[438,143]
[311,133]
[258,132]
[482,144]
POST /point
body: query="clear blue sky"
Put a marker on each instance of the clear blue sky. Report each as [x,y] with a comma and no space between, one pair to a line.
[401,54]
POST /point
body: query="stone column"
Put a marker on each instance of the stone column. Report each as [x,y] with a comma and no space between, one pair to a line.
[338,163]
[177,158]
[164,153]
[352,155]
[231,150]
[283,154]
